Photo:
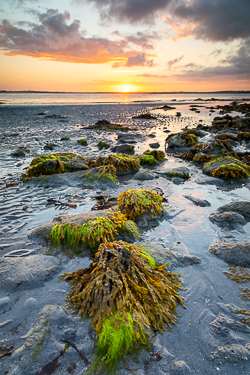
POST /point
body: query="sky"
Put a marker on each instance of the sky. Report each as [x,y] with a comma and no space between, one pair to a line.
[125,45]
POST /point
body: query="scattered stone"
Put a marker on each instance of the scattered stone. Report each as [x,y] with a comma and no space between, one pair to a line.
[123,149]
[49,146]
[154,145]
[231,353]
[223,324]
[20,152]
[130,138]
[145,116]
[181,172]
[197,201]
[179,368]
[227,218]
[27,273]
[233,253]
[144,175]
[179,247]
[241,207]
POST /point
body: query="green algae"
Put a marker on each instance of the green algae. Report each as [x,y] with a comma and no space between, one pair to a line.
[102,145]
[103,174]
[83,142]
[64,139]
[147,160]
[134,203]
[231,171]
[157,154]
[122,162]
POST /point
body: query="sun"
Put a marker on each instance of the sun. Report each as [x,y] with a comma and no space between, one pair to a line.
[126,88]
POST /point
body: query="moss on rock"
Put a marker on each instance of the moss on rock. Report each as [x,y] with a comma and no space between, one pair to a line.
[122,162]
[83,142]
[102,145]
[134,203]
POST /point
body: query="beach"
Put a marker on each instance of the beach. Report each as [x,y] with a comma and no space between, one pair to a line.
[209,329]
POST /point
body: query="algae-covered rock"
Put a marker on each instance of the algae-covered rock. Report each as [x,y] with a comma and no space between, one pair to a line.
[79,239]
[125,296]
[124,164]
[232,252]
[141,205]
[102,145]
[56,163]
[83,142]
[28,272]
[105,174]
[227,167]
[182,139]
[157,154]
[181,172]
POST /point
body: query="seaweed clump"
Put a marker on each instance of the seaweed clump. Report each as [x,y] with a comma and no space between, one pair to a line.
[134,203]
[102,145]
[230,171]
[51,164]
[90,235]
[102,174]
[83,142]
[147,160]
[238,274]
[121,162]
[157,154]
[125,298]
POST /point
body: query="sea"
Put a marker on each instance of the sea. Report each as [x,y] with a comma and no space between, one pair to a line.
[68,98]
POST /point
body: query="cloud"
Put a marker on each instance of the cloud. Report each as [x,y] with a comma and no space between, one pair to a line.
[133,11]
[170,63]
[55,38]
[214,20]
[138,60]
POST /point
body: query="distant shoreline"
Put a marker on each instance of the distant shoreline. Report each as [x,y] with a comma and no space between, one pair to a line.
[126,93]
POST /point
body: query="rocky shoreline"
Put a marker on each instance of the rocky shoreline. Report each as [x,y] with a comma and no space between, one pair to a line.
[203,229]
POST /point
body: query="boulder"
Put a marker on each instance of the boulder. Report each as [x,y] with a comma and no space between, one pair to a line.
[227,218]
[154,145]
[20,152]
[197,201]
[77,164]
[237,253]
[27,273]
[130,138]
[221,168]
[144,175]
[123,149]
[241,207]
[181,172]
[231,353]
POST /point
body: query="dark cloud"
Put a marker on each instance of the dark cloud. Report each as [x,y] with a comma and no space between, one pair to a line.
[129,10]
[55,38]
[138,60]
[216,20]
[170,63]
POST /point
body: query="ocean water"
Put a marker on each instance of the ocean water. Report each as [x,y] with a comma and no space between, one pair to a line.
[30,98]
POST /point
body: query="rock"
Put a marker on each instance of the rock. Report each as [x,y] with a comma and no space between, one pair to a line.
[77,164]
[233,253]
[241,207]
[164,255]
[29,303]
[41,234]
[227,218]
[73,179]
[197,201]
[210,167]
[43,342]
[129,232]
[49,146]
[69,334]
[181,172]
[144,175]
[179,247]
[123,149]
[4,302]
[179,368]
[154,145]
[27,273]
[20,152]
[223,324]
[130,138]
[231,353]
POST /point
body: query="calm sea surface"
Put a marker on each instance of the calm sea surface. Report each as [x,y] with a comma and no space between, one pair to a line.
[110,98]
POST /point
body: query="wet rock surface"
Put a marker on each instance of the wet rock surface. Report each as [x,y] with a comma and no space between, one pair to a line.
[181,172]
[227,218]
[198,201]
[28,272]
[232,253]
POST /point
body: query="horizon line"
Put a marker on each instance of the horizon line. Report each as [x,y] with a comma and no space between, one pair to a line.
[124,93]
